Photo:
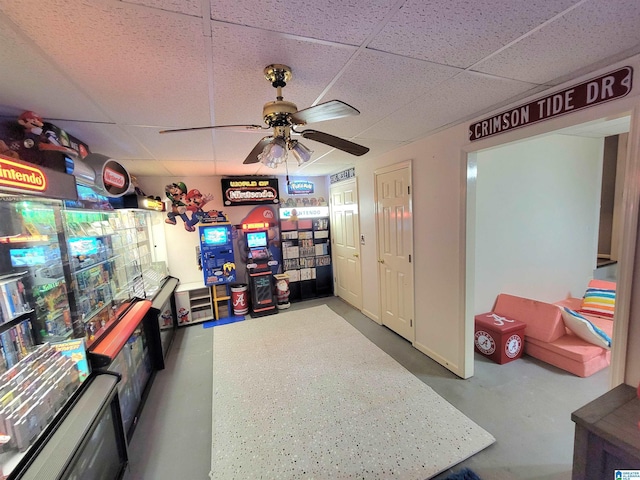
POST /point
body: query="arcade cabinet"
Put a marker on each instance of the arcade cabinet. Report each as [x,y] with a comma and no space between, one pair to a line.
[216,254]
[259,263]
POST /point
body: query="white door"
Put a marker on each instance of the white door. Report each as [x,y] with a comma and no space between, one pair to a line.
[345,238]
[395,248]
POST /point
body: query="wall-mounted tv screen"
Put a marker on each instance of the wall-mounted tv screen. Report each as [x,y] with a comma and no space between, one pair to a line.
[83,246]
[213,236]
[257,239]
[27,257]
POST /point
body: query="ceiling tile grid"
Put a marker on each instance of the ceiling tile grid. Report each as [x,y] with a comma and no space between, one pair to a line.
[196,146]
[378,84]
[461,32]
[107,139]
[599,29]
[142,66]
[455,100]
[188,168]
[349,22]
[186,7]
[146,168]
[32,83]
[136,66]
[240,55]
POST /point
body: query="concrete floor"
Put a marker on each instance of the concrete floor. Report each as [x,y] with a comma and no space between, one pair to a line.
[526,405]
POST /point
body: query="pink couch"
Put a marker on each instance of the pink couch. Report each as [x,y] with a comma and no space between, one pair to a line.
[547,338]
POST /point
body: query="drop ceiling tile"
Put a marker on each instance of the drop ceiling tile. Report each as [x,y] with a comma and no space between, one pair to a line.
[588,34]
[333,20]
[29,82]
[461,32]
[378,84]
[179,168]
[145,168]
[377,147]
[142,66]
[187,7]
[230,169]
[240,55]
[320,170]
[196,146]
[463,97]
[109,140]
[233,147]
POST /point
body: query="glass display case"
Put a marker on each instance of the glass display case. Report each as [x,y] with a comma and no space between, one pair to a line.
[89,441]
[103,269]
[126,350]
[67,276]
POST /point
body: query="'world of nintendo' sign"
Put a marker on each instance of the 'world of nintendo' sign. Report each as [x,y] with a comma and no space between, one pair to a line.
[598,90]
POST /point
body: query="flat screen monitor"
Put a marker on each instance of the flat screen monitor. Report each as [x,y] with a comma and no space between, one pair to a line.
[257,239]
[214,236]
[83,246]
[27,257]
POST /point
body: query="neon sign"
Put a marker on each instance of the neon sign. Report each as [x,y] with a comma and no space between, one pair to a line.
[23,177]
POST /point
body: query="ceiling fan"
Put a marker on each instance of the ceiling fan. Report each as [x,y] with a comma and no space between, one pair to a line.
[284,117]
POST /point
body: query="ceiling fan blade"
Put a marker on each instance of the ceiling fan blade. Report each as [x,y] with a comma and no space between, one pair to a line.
[257,150]
[335,142]
[243,128]
[324,111]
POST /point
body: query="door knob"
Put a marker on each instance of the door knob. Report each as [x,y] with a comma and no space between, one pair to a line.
[357,255]
[381,261]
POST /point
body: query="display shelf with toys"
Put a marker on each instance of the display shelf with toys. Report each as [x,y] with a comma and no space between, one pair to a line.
[194,303]
[105,267]
[306,251]
[32,392]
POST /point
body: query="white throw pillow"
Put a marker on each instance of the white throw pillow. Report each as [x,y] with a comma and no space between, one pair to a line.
[584,329]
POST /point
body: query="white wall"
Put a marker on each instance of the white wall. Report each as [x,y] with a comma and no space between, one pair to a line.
[537,205]
[443,331]
[181,244]
[437,212]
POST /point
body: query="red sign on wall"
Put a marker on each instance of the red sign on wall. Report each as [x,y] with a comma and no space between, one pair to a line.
[602,89]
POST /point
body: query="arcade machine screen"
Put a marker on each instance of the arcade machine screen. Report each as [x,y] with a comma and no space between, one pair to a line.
[215,236]
[256,240]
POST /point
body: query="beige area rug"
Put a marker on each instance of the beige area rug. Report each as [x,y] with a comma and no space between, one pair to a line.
[304,395]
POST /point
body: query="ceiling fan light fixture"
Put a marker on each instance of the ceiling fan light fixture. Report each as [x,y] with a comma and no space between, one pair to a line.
[300,151]
[274,153]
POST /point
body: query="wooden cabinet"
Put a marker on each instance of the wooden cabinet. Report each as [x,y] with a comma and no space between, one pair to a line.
[607,437]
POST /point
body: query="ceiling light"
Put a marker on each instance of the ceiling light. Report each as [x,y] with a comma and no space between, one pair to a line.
[274,153]
[301,152]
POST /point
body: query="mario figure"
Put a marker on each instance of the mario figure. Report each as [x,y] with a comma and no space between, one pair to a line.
[195,203]
[177,193]
[183,315]
[32,123]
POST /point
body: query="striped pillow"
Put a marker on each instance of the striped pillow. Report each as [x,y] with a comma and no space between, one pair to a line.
[584,329]
[599,301]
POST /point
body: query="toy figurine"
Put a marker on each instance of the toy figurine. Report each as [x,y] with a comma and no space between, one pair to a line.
[183,315]
[177,193]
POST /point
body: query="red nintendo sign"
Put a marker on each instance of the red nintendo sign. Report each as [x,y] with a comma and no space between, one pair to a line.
[111,177]
[21,176]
